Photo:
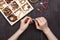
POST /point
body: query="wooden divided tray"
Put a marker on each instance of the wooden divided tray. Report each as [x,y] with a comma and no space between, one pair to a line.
[14,10]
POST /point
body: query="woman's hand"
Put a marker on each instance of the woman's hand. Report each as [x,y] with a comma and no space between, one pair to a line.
[25,23]
[41,23]
[23,26]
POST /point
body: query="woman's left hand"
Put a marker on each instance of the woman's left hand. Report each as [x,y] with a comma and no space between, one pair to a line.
[25,23]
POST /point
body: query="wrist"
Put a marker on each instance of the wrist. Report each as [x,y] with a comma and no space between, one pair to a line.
[16,35]
[21,30]
[46,29]
[49,34]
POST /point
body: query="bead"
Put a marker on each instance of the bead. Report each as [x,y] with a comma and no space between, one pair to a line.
[44,5]
[8,1]
[33,1]
[38,9]
[12,18]
[41,3]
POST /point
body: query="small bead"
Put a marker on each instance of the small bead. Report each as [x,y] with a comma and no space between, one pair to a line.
[38,9]
[41,3]
[45,3]
[44,7]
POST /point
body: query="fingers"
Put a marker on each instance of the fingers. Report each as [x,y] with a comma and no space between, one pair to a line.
[43,20]
[37,24]
[28,22]
[26,19]
[40,22]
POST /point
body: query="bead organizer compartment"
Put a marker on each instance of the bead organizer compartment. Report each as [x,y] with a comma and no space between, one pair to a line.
[26,7]
[8,1]
[14,10]
[7,11]
[19,13]
[14,6]
[12,18]
[2,4]
[22,1]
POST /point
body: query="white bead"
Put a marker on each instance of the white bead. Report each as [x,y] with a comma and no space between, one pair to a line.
[41,3]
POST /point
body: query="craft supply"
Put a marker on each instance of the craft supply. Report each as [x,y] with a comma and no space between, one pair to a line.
[7,11]
[14,10]
[12,18]
[8,1]
[14,5]
[38,9]
[22,1]
[34,1]
[26,7]
[44,4]
[26,20]
[2,4]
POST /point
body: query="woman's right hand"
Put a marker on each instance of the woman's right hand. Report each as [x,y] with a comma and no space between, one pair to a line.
[41,23]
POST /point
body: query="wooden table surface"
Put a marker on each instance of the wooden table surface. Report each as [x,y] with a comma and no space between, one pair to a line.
[52,16]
